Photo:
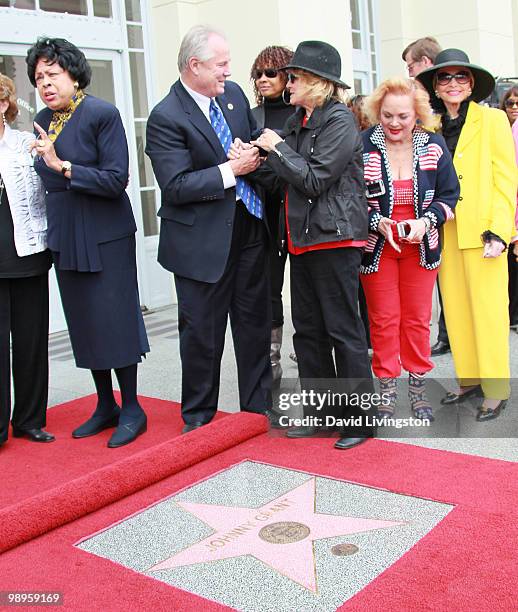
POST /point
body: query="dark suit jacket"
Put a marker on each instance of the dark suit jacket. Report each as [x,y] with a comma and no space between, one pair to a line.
[197,213]
[93,206]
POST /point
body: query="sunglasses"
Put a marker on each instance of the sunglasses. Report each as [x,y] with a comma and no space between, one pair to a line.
[292,77]
[270,73]
[462,78]
[511,103]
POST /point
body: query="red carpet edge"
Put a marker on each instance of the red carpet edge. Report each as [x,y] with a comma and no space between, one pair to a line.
[41,513]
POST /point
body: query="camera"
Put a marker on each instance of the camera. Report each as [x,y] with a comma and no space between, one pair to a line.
[403,229]
[373,189]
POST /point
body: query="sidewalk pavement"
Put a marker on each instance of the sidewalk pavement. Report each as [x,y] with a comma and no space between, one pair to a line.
[160,376]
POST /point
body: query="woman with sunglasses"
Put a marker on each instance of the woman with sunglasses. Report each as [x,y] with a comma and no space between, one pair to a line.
[473,275]
[318,168]
[509,104]
[272,111]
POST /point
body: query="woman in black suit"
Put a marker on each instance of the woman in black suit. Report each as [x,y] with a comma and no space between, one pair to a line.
[83,163]
[24,291]
[272,111]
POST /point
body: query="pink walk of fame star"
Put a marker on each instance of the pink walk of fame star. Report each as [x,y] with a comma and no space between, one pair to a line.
[280,533]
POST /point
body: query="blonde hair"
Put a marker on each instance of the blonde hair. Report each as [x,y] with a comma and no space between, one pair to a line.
[8,92]
[402,87]
[318,90]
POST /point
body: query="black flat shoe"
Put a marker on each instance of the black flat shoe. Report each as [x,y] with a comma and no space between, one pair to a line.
[96,424]
[346,443]
[486,414]
[34,435]
[273,417]
[192,426]
[128,432]
[457,398]
[440,348]
[302,431]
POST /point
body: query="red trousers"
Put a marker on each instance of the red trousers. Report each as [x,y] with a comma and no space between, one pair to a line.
[399,303]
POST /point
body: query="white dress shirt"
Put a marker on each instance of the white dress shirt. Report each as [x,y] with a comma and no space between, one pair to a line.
[229,180]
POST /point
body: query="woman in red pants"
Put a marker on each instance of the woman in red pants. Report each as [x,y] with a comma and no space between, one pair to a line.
[412,189]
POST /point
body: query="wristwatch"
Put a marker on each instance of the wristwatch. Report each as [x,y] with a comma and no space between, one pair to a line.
[65,167]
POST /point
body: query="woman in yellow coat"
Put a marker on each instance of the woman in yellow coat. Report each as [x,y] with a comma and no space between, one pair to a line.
[473,275]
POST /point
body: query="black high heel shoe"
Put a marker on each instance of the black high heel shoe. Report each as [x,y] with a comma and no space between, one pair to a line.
[486,414]
[456,398]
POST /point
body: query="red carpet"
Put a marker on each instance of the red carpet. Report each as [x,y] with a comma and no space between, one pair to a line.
[31,468]
[68,500]
[467,563]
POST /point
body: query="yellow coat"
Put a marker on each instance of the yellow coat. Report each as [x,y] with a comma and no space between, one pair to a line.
[485,164]
[474,288]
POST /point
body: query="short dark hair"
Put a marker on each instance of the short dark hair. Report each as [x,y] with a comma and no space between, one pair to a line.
[512,91]
[270,57]
[59,50]
[422,47]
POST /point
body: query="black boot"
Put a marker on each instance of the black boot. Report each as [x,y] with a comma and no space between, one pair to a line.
[275,356]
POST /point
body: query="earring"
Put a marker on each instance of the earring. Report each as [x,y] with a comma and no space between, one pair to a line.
[437,94]
[287,102]
[4,120]
[76,85]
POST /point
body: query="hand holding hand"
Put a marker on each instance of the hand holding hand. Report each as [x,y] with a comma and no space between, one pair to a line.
[248,161]
[236,147]
[45,149]
[493,248]
[267,140]
[385,229]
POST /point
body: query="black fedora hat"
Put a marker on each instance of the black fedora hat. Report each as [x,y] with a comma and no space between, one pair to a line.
[484,80]
[319,58]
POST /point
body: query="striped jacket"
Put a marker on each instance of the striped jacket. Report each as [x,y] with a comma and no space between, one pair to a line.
[436,191]
[25,192]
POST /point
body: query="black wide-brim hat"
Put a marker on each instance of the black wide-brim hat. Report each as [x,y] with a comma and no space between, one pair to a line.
[319,58]
[484,80]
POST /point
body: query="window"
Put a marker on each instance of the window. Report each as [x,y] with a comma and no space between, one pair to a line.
[19,4]
[93,8]
[72,7]
[364,43]
[102,8]
[137,62]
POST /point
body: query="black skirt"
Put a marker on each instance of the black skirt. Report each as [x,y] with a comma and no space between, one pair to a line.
[102,309]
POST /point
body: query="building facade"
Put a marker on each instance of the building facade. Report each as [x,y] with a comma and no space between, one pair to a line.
[132,46]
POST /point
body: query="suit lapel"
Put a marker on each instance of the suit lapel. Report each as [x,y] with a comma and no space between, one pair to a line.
[229,112]
[198,119]
[471,127]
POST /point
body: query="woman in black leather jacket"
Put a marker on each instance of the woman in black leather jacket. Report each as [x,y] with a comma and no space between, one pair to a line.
[319,169]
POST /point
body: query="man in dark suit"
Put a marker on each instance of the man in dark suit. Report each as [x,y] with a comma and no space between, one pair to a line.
[209,238]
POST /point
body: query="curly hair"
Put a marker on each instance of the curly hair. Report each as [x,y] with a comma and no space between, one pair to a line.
[402,87]
[356,106]
[8,92]
[271,57]
[512,91]
[59,50]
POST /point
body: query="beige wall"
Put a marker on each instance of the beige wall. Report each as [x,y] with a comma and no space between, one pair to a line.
[279,22]
[482,28]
